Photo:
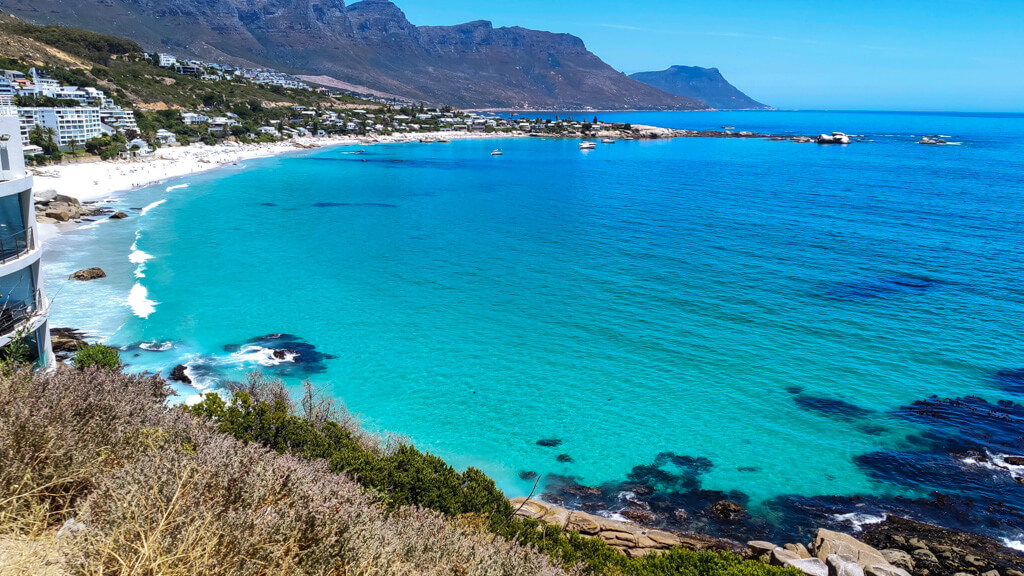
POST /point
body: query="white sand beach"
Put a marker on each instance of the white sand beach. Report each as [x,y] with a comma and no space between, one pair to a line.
[102,180]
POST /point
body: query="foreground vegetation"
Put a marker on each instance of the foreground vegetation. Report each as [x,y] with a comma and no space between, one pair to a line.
[257,485]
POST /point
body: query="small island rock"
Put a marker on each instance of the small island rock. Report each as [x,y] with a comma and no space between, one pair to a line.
[726,510]
[88,274]
[179,374]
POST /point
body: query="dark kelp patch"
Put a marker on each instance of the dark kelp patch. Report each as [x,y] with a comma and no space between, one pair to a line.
[882,287]
[834,407]
[1011,380]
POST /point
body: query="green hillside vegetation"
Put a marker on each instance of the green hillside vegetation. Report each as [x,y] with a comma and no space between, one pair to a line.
[94,47]
[118,67]
[257,486]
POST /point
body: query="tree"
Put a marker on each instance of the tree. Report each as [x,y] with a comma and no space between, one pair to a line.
[45,139]
[73,144]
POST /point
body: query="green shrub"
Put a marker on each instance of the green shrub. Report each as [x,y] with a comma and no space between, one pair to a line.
[402,477]
[97,355]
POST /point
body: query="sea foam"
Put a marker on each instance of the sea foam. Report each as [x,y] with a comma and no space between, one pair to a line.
[859,520]
[151,206]
[1015,544]
[259,355]
[138,257]
[138,300]
[176,187]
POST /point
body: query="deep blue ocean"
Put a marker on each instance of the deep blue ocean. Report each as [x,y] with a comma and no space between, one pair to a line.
[649,327]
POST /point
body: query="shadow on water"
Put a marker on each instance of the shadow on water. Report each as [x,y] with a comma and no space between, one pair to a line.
[883,287]
[353,204]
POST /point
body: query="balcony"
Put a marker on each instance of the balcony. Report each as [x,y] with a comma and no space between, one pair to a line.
[16,245]
[17,314]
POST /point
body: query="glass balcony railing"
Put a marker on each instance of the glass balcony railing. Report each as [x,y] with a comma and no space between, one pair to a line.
[16,245]
[15,314]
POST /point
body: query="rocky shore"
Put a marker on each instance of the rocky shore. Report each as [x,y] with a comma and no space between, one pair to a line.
[65,342]
[642,132]
[895,547]
[54,208]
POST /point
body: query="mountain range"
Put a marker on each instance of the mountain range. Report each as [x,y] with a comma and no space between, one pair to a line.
[371,46]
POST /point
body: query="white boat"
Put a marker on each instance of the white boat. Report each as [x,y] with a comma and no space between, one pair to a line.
[587,145]
[497,152]
[607,141]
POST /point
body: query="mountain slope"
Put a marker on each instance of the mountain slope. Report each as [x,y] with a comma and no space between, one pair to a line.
[370,44]
[705,84]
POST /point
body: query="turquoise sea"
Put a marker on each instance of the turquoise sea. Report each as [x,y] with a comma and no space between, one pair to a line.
[692,319]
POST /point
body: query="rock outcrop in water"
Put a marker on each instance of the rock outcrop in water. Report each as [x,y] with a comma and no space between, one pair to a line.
[88,274]
[631,539]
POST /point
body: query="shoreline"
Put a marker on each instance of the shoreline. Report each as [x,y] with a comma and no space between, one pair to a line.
[99,181]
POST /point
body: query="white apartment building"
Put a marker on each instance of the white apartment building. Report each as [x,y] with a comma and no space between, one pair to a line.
[119,118]
[23,305]
[166,60]
[78,124]
[42,81]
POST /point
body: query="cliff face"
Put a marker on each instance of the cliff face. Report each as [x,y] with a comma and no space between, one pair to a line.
[370,43]
[705,84]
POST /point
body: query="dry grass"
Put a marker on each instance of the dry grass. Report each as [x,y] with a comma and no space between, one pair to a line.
[30,557]
[59,432]
[162,495]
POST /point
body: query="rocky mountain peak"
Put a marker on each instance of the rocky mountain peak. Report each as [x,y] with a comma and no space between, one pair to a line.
[378,19]
[705,84]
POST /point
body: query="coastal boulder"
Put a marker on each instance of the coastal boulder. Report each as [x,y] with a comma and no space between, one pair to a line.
[885,571]
[630,539]
[899,558]
[827,543]
[118,215]
[88,274]
[59,215]
[798,549]
[583,523]
[781,557]
[842,565]
[66,200]
[66,340]
[759,549]
[809,566]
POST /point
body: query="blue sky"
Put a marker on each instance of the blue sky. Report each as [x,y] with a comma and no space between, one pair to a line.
[795,54]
